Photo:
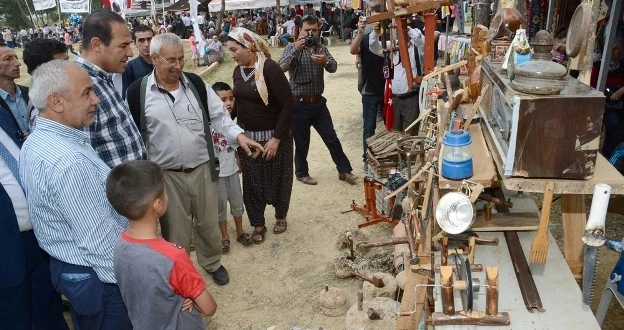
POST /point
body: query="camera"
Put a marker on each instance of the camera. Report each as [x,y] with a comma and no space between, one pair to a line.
[310,41]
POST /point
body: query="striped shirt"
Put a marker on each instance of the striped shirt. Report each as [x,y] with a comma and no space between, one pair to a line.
[113,134]
[306,76]
[64,180]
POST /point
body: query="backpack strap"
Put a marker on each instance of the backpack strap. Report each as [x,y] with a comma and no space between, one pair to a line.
[197,84]
[417,58]
[135,95]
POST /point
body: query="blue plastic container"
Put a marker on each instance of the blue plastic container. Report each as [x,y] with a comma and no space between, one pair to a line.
[457,156]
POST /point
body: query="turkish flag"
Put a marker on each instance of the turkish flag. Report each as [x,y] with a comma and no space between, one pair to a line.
[388,109]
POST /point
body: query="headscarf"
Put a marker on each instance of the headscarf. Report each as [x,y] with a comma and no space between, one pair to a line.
[256,44]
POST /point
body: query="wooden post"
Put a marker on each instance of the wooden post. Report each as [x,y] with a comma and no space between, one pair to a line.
[574,218]
[360,300]
[411,295]
[491,297]
[446,279]
[430,28]
[444,253]
[472,245]
[401,23]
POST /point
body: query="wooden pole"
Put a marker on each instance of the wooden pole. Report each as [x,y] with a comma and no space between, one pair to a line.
[446,279]
[382,242]
[462,319]
[472,244]
[491,298]
[444,253]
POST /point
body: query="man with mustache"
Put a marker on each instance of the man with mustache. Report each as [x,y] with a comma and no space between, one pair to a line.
[64,181]
[176,114]
[141,66]
[106,49]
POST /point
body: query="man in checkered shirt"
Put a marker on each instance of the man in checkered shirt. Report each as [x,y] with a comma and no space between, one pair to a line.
[106,42]
[306,63]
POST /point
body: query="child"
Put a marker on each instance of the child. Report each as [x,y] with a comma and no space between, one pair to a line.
[229,180]
[194,50]
[158,282]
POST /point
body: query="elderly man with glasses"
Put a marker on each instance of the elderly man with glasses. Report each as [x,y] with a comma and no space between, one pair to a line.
[175,111]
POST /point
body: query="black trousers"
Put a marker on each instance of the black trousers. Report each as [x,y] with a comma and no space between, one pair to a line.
[306,115]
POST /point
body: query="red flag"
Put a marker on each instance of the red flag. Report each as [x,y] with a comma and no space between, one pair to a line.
[388,109]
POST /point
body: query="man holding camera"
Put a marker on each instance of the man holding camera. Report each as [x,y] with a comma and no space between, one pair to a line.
[305,60]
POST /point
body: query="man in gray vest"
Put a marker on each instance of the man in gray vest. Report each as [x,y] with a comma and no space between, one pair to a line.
[174,118]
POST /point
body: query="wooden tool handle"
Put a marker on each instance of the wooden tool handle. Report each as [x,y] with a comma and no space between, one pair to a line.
[365,278]
[546,206]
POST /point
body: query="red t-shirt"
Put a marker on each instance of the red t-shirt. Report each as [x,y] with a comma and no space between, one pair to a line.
[184,279]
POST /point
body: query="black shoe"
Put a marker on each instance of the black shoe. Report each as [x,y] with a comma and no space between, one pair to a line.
[220,276]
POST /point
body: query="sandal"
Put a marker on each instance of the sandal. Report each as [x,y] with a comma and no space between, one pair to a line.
[280,226]
[225,244]
[258,236]
[244,239]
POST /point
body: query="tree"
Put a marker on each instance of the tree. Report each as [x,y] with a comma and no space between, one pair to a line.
[13,13]
[220,17]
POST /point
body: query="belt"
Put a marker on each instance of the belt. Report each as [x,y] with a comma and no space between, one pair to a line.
[308,99]
[185,170]
[406,95]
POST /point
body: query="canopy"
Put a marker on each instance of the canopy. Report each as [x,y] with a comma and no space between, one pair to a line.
[183,5]
[215,5]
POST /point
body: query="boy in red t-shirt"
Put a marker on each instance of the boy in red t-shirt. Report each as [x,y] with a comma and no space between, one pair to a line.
[158,282]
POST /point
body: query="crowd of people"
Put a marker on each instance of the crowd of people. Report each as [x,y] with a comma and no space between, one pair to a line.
[18,37]
[90,168]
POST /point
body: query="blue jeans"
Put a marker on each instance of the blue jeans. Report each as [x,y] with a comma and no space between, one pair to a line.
[306,115]
[32,304]
[370,105]
[284,38]
[94,304]
[612,120]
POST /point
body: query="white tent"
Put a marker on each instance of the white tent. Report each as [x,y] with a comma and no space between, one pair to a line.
[215,5]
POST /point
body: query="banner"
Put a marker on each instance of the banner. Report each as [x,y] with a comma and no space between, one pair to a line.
[193,4]
[74,6]
[44,4]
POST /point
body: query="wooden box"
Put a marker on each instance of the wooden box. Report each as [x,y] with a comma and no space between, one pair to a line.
[498,49]
[536,136]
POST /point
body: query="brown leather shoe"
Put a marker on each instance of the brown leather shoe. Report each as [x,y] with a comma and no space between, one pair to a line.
[307,180]
[349,177]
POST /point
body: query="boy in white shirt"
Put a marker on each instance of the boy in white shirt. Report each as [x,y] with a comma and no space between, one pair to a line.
[229,181]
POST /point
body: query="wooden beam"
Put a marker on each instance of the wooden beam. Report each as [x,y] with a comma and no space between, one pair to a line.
[419,7]
[401,23]
[507,222]
[410,294]
[574,218]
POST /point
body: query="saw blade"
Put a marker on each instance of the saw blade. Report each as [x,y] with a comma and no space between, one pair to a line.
[590,268]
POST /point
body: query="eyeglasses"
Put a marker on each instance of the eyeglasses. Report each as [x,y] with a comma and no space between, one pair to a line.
[174,61]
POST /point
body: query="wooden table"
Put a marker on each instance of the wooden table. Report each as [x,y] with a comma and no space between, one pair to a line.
[574,212]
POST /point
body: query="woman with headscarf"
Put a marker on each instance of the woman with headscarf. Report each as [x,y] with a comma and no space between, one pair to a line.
[263,106]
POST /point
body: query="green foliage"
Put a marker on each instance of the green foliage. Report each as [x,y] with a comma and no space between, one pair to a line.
[14,13]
